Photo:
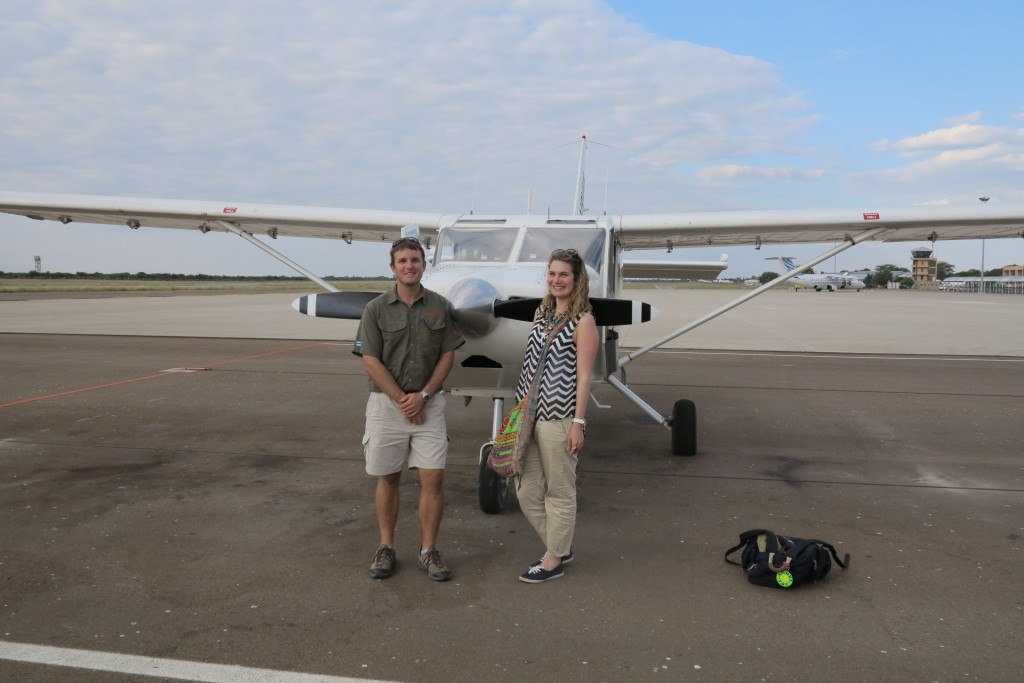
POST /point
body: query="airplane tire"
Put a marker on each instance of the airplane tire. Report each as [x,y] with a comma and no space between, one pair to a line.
[684,428]
[495,493]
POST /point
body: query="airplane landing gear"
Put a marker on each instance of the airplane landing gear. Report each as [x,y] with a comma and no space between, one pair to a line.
[495,493]
[684,427]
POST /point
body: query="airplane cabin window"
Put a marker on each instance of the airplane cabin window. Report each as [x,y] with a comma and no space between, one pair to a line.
[483,245]
[540,242]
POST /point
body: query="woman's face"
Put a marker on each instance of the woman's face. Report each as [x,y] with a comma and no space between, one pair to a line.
[560,279]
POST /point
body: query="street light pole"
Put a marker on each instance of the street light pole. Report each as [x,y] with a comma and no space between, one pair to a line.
[982,290]
[981,283]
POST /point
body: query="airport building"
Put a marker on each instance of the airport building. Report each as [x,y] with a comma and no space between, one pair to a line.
[924,270]
[993,284]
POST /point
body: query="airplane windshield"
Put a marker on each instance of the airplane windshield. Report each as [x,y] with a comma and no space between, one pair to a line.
[540,242]
[484,245]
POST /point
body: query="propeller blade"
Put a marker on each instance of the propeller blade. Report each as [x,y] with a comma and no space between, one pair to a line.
[344,305]
[607,312]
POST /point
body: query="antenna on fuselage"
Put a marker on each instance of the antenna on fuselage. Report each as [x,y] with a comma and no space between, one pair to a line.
[472,202]
[604,211]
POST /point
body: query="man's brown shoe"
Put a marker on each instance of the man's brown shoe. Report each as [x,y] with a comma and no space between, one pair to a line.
[432,564]
[383,562]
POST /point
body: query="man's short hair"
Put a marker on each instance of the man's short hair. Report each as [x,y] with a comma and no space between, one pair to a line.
[407,243]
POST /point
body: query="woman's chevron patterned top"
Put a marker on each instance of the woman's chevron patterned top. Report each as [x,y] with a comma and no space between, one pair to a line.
[557,387]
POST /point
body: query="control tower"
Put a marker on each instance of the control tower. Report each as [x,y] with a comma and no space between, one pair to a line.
[925,268]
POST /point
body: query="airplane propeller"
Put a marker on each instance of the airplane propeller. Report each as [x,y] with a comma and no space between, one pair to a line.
[475,316]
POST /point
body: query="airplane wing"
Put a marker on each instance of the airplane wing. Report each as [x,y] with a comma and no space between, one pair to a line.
[639,231]
[256,219]
[925,224]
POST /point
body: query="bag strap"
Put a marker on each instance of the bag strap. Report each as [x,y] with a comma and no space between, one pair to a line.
[772,543]
[844,563]
[532,395]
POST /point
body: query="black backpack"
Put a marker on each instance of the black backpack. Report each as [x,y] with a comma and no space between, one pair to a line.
[771,559]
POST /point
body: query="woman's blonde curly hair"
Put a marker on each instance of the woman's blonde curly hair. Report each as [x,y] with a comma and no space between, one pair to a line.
[579,299]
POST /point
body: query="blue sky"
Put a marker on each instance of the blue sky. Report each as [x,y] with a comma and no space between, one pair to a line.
[447,106]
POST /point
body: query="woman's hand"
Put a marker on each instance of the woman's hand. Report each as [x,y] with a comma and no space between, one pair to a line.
[574,444]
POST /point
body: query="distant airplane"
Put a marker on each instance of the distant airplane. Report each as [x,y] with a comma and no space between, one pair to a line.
[492,268]
[827,282]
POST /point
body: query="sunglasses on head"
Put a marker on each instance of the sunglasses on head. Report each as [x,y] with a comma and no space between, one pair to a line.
[405,240]
[564,254]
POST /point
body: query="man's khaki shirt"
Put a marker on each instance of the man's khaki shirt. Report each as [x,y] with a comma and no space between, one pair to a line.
[408,340]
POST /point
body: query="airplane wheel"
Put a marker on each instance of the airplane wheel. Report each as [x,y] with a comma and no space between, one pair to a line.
[684,428]
[495,493]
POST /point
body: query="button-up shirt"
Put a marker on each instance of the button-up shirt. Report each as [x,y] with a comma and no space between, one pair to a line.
[408,340]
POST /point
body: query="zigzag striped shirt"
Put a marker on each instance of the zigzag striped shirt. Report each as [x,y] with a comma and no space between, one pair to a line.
[557,388]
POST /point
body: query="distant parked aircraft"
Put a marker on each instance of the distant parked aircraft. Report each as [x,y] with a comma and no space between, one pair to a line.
[829,282]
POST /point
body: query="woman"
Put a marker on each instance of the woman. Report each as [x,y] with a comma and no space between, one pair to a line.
[547,488]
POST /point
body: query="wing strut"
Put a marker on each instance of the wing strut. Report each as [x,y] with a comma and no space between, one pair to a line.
[277,255]
[850,241]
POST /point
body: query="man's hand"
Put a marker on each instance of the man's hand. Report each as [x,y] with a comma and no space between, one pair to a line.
[412,406]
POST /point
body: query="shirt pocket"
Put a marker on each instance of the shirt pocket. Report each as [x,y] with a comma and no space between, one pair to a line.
[430,332]
[394,338]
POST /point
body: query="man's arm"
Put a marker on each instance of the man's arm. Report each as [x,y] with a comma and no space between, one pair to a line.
[444,366]
[377,372]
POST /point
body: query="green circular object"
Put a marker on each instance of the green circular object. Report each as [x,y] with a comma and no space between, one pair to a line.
[784,579]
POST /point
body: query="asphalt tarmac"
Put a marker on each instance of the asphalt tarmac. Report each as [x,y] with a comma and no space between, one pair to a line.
[194,506]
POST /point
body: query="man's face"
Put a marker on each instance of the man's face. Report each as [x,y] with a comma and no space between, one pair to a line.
[408,266]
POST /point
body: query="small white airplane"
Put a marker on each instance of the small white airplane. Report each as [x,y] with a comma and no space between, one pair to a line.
[828,282]
[492,268]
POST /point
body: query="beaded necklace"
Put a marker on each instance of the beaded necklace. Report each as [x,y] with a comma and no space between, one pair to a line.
[551,320]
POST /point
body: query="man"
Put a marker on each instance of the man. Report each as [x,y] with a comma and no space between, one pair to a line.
[407,341]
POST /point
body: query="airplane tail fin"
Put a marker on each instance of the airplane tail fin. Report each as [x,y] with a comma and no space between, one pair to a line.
[577,199]
[787,261]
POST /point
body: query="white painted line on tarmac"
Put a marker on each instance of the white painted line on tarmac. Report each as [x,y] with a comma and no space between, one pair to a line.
[152,666]
[861,356]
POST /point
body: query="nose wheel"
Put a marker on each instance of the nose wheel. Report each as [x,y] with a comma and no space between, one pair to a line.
[684,427]
[495,493]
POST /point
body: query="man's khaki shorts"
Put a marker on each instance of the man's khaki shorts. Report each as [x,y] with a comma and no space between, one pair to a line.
[390,439]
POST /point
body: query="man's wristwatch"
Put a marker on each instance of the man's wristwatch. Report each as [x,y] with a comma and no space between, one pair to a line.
[425,395]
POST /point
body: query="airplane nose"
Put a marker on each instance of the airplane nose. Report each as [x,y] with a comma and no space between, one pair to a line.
[473,301]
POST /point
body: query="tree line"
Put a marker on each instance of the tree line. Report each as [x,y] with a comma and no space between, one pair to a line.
[882,275]
[179,277]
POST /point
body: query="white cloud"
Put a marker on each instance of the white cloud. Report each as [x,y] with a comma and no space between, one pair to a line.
[415,106]
[734,171]
[961,135]
[972,117]
[345,102]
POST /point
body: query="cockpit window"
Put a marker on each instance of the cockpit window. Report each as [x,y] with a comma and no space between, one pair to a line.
[540,242]
[483,245]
